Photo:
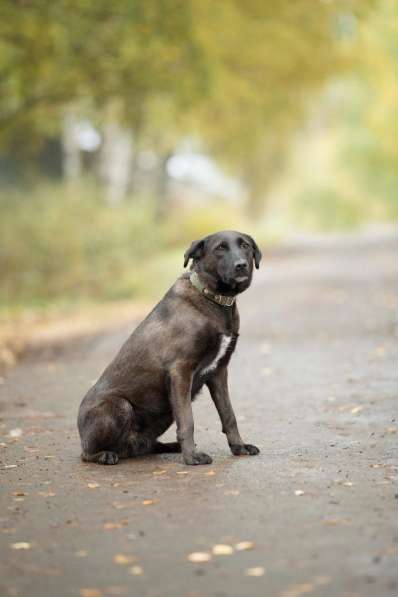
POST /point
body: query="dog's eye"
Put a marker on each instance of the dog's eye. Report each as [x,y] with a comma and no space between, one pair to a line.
[245,245]
[222,247]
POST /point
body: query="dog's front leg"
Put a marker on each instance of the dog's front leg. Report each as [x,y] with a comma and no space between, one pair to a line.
[180,398]
[218,386]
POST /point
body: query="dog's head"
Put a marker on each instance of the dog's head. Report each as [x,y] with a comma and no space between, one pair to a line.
[225,259]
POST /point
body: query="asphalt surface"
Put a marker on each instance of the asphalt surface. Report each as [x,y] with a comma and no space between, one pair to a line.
[314,382]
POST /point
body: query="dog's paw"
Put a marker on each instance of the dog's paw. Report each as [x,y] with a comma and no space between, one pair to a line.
[108,458]
[244,450]
[198,458]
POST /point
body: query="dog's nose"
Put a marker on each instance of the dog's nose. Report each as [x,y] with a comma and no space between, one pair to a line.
[241,266]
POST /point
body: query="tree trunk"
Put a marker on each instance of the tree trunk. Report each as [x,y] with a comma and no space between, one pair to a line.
[162,187]
[71,160]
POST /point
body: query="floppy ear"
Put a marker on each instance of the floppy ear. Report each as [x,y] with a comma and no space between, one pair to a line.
[195,251]
[256,251]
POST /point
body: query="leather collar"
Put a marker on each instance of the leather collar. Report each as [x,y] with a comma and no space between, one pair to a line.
[219,299]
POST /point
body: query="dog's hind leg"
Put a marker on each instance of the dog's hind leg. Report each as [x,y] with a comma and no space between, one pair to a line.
[105,457]
[105,429]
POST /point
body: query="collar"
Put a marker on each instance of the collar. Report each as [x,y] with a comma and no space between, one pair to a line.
[220,299]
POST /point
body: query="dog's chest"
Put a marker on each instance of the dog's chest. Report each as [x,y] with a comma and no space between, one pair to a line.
[225,343]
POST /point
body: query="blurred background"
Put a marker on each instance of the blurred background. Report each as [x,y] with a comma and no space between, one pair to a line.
[129,128]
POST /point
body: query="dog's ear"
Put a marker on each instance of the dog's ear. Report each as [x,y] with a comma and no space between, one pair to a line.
[195,251]
[257,255]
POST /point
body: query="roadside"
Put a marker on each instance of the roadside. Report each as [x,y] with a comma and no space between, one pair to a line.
[33,331]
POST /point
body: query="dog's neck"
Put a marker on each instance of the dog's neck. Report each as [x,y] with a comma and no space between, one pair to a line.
[212,295]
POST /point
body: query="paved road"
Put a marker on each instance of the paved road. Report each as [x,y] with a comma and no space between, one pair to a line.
[314,384]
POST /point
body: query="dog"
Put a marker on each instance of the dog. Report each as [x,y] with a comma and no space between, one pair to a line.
[186,342]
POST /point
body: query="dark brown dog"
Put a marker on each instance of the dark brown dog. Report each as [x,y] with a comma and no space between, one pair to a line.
[184,343]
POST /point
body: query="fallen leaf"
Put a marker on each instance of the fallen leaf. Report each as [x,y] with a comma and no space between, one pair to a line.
[19,493]
[46,493]
[298,590]
[356,410]
[116,590]
[123,505]
[256,571]
[159,472]
[299,492]
[149,502]
[335,521]
[20,545]
[182,472]
[222,550]
[91,593]
[210,473]
[232,492]
[244,545]
[17,432]
[92,485]
[10,466]
[136,570]
[82,553]
[113,525]
[198,557]
[123,560]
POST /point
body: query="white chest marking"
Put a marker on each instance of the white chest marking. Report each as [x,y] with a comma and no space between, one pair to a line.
[225,341]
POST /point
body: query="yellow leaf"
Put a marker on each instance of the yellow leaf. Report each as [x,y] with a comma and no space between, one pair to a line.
[113,525]
[256,571]
[222,550]
[123,560]
[198,557]
[20,545]
[244,545]
[90,593]
[136,570]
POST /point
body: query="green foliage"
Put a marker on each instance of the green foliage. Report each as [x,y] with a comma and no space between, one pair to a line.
[62,245]
[328,209]
[371,146]
[236,74]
